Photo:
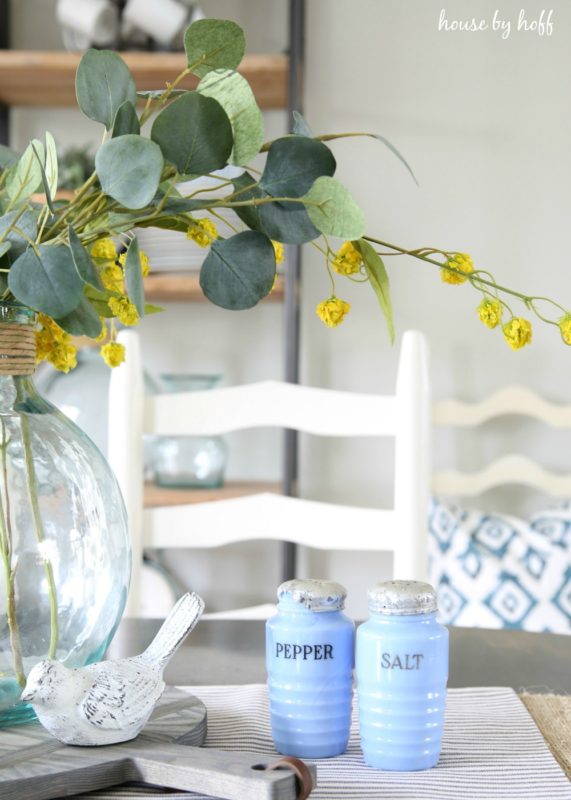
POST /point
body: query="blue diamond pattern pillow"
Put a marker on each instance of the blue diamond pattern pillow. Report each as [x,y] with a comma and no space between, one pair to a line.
[495,571]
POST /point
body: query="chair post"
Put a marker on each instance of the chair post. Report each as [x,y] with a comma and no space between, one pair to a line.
[412,458]
[125,449]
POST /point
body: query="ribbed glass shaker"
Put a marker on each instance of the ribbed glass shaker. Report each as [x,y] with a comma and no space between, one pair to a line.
[310,659]
[402,672]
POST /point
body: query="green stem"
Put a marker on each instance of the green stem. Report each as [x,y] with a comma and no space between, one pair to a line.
[40,532]
[10,574]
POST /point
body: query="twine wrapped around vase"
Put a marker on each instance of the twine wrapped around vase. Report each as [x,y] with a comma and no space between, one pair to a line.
[17,349]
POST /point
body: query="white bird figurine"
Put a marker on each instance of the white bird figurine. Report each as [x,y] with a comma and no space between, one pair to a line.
[109,701]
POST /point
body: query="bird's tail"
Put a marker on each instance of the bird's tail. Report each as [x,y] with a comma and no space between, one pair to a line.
[176,627]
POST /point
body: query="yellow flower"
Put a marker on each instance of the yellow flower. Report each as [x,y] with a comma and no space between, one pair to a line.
[44,344]
[104,249]
[124,310]
[461,261]
[203,232]
[517,332]
[279,252]
[332,312]
[347,259]
[63,357]
[565,328]
[490,312]
[113,354]
[143,259]
[112,278]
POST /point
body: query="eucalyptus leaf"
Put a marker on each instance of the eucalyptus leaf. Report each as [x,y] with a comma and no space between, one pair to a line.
[82,321]
[47,282]
[126,120]
[25,176]
[83,263]
[134,277]
[184,205]
[328,137]
[234,94]
[300,126]
[99,299]
[213,44]
[293,164]
[239,271]
[169,223]
[379,280]
[102,84]
[21,228]
[45,183]
[51,165]
[333,211]
[4,247]
[152,309]
[287,222]
[246,184]
[129,169]
[194,133]
[7,156]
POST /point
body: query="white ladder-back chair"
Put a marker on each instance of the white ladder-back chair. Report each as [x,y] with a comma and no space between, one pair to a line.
[404,415]
[508,469]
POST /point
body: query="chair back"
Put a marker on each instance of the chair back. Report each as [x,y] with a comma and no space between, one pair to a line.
[404,415]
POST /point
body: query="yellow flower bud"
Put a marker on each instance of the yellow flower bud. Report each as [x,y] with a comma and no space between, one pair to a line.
[125,311]
[143,260]
[113,354]
[565,328]
[460,261]
[112,278]
[347,260]
[332,312]
[490,312]
[104,249]
[63,357]
[279,252]
[203,232]
[517,332]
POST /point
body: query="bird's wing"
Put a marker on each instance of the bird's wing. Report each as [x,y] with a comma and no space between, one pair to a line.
[121,695]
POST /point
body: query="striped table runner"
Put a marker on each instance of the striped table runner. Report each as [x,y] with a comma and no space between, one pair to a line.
[492,749]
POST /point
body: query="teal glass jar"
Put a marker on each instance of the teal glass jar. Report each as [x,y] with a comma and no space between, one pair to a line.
[64,544]
[189,461]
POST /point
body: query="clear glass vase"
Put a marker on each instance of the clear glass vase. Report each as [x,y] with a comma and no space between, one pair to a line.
[189,461]
[64,544]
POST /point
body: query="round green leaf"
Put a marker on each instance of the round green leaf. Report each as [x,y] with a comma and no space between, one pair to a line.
[239,271]
[83,263]
[287,222]
[129,169]
[332,209]
[234,94]
[126,120]
[25,224]
[102,84]
[293,164]
[82,321]
[194,133]
[213,44]
[47,282]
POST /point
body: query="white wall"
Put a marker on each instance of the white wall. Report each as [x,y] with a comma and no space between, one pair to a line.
[485,123]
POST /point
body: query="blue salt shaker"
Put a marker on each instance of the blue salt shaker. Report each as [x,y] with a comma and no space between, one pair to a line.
[402,671]
[310,659]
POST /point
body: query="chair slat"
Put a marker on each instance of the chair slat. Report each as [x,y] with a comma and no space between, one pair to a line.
[271,404]
[511,400]
[511,469]
[267,516]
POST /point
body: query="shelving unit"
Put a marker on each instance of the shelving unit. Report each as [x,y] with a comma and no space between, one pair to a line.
[179,287]
[37,78]
[159,496]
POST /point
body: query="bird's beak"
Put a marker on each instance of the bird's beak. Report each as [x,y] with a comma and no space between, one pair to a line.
[28,696]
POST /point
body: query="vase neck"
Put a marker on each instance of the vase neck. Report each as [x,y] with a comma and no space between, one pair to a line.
[17,341]
[16,392]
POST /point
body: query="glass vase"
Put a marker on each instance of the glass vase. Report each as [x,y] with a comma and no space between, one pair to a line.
[64,544]
[189,461]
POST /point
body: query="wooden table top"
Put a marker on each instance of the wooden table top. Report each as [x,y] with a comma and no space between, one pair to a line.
[222,652]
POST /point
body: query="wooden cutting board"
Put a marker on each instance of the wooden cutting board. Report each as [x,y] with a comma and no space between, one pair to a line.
[35,766]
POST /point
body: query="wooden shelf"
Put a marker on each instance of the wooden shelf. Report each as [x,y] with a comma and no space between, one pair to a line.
[159,496]
[178,287]
[47,78]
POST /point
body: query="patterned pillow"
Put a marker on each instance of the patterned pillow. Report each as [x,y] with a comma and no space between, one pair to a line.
[493,571]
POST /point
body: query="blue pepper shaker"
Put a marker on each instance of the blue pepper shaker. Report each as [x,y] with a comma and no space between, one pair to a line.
[402,671]
[310,659]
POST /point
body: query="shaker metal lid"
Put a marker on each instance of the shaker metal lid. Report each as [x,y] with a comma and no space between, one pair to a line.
[314,594]
[402,598]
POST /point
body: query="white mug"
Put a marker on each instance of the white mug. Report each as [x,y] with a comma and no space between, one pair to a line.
[161,20]
[92,21]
